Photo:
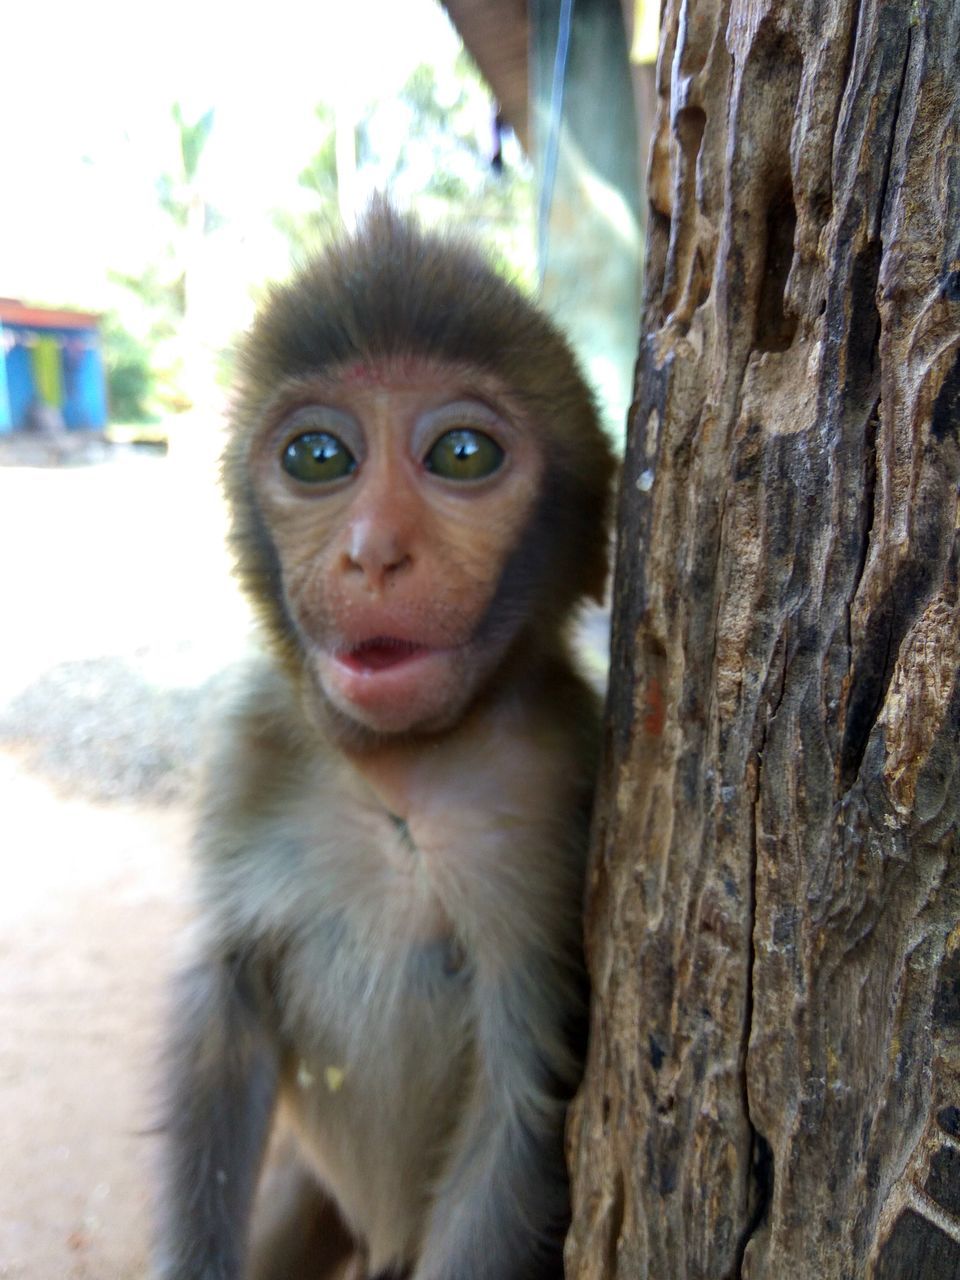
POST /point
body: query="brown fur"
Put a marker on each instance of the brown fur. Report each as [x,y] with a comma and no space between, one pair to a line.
[389,938]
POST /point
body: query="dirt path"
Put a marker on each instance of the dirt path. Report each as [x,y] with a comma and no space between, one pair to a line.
[114,614]
[88,915]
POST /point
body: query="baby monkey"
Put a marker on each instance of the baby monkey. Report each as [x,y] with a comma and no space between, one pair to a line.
[391,849]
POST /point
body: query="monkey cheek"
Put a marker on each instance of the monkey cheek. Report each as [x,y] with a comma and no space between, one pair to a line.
[424,692]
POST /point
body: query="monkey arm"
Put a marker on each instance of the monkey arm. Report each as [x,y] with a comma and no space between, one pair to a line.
[501,1212]
[223,1086]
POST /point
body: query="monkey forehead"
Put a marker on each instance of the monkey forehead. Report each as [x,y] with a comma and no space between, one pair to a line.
[409,369]
[411,372]
[386,372]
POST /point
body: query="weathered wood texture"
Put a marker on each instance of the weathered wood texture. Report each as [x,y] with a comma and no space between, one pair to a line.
[773,1087]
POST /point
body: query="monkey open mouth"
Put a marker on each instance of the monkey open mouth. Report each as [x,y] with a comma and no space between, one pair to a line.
[382,653]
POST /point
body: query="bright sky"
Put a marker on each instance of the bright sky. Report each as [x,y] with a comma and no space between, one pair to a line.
[87,131]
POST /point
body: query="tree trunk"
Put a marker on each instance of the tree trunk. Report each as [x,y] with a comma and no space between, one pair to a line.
[773,1088]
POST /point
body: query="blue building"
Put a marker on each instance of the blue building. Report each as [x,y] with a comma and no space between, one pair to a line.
[53,359]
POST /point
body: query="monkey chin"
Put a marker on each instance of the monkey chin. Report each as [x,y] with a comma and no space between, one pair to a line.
[420,692]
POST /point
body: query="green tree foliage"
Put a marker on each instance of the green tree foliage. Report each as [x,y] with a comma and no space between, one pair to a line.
[193,139]
[159,294]
[130,382]
[431,149]
[306,232]
[177,192]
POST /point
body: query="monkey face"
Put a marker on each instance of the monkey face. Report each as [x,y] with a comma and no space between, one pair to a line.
[396,494]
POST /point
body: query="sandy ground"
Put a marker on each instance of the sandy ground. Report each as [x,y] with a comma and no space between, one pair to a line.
[115,611]
[86,926]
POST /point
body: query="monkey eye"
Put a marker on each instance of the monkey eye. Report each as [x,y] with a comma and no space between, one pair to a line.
[464,454]
[317,457]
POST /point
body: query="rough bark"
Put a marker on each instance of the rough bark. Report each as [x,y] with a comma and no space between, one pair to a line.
[773,1087]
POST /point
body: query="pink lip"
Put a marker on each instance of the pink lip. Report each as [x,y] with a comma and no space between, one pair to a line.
[388,683]
[383,653]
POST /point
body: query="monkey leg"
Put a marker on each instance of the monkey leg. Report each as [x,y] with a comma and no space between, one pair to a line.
[297,1233]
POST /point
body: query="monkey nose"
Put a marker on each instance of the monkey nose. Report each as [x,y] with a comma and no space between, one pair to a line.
[375,552]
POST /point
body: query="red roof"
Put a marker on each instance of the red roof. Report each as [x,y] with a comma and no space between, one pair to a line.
[13,312]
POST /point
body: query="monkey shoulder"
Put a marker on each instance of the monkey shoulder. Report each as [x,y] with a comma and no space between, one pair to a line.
[266,781]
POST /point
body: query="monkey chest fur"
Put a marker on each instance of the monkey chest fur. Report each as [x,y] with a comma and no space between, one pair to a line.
[409,967]
[378,1058]
[374,996]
